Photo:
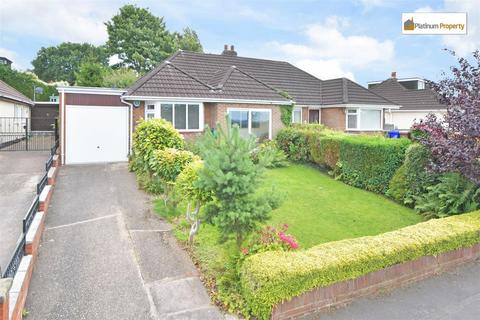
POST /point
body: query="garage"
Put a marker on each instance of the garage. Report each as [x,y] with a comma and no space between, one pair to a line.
[94,125]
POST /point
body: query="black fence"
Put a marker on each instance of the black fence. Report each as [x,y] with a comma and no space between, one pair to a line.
[19,250]
[19,134]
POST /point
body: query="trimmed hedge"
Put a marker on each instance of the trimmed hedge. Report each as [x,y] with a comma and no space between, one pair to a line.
[272,277]
[363,161]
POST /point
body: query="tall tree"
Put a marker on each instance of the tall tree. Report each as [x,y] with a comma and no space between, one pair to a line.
[188,40]
[139,38]
[454,141]
[60,63]
[90,75]
[119,78]
[24,82]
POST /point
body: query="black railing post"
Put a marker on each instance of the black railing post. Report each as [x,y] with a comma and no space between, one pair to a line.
[26,134]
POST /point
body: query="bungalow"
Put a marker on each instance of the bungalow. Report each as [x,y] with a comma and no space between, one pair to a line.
[415,97]
[193,90]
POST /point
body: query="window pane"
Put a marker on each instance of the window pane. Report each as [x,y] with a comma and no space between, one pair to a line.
[352,111]
[260,124]
[297,116]
[193,116]
[166,112]
[352,121]
[370,119]
[151,107]
[240,119]
[150,115]
[180,116]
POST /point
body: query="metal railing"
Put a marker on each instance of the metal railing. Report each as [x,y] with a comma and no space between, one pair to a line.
[27,221]
[19,134]
[16,258]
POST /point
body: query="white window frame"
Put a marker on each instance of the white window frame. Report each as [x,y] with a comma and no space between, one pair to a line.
[301,114]
[158,113]
[358,112]
[250,118]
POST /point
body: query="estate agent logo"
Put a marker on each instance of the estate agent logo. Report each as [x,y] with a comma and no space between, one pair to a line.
[434,23]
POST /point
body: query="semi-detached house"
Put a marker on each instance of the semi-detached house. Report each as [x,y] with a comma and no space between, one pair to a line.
[196,90]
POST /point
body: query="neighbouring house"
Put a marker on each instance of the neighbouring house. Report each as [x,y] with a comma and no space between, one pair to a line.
[5,61]
[14,113]
[415,97]
[196,90]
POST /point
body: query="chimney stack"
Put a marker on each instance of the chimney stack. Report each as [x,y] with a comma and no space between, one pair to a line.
[229,52]
[394,75]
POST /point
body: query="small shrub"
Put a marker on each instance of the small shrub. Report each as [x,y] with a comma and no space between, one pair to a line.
[270,155]
[294,143]
[397,189]
[152,135]
[168,163]
[454,194]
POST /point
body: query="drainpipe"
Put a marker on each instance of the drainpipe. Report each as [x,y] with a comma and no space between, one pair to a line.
[130,133]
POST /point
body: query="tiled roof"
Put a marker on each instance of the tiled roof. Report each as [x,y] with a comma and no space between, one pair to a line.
[423,99]
[250,78]
[10,93]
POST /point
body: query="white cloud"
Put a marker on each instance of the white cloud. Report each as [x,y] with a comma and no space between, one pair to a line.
[424,9]
[328,52]
[76,21]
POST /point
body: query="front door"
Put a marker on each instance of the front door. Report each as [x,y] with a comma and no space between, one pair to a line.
[313,116]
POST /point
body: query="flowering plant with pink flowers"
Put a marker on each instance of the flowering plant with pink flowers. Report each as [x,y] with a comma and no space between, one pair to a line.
[271,238]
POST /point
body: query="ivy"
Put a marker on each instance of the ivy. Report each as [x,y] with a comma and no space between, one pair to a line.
[286,114]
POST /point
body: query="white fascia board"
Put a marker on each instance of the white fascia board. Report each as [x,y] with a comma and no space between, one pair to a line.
[4,96]
[91,90]
[46,102]
[420,110]
[194,99]
[363,106]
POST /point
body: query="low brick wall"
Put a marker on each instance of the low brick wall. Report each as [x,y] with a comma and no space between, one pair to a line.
[341,293]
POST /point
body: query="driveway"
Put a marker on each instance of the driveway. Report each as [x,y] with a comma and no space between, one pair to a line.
[105,255]
[449,296]
[20,171]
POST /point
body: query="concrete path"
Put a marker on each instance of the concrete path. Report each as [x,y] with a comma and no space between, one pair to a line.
[452,295]
[20,171]
[105,255]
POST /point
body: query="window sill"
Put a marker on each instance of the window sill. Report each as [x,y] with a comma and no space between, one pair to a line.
[189,130]
[364,130]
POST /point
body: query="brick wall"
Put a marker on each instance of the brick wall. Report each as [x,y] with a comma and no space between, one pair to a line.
[325,298]
[333,118]
[138,113]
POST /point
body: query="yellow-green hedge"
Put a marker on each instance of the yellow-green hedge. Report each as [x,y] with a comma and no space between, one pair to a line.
[272,277]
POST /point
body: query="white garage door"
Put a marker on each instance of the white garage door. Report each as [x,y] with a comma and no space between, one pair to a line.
[96,134]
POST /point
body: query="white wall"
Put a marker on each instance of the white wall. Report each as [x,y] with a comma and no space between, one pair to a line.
[403,120]
[7,111]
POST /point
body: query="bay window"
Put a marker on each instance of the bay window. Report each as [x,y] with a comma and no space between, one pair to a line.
[183,116]
[364,119]
[256,122]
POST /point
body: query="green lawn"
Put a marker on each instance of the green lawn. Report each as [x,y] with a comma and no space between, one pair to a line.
[319,209]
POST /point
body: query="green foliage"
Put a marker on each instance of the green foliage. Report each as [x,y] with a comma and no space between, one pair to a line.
[90,75]
[364,161]
[272,277]
[286,114]
[231,176]
[188,40]
[24,83]
[369,162]
[187,183]
[269,155]
[152,135]
[149,183]
[454,194]
[119,78]
[412,178]
[169,162]
[62,62]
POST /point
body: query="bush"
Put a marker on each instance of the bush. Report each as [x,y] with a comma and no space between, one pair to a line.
[369,162]
[454,194]
[325,149]
[412,179]
[272,277]
[294,143]
[270,155]
[152,135]
[168,163]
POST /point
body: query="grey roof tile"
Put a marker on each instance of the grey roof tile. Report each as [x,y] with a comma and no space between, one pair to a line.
[423,99]
[10,93]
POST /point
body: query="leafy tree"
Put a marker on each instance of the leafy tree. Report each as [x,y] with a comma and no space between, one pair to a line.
[119,78]
[139,38]
[60,63]
[454,140]
[187,41]
[24,82]
[90,75]
[230,175]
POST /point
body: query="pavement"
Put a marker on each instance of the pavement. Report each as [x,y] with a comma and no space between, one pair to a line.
[20,171]
[106,255]
[452,295]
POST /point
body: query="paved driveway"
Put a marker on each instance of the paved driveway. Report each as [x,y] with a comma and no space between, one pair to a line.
[454,295]
[20,171]
[105,255]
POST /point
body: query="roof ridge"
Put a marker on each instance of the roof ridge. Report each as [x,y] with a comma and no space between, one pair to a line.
[147,76]
[189,75]
[372,92]
[225,77]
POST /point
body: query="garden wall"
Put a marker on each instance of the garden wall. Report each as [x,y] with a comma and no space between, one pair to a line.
[333,273]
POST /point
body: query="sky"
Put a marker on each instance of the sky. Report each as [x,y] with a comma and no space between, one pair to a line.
[358,39]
